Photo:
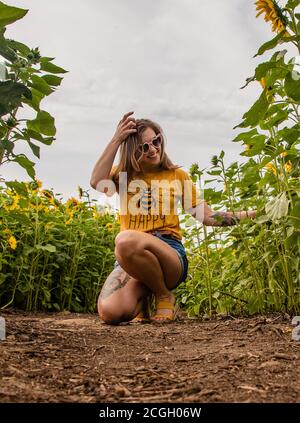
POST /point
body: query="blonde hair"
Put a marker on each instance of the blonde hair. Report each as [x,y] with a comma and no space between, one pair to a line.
[129,157]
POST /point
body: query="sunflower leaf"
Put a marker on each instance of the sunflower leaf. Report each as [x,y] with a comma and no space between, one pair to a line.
[292,86]
[9,14]
[278,207]
[291,4]
[270,44]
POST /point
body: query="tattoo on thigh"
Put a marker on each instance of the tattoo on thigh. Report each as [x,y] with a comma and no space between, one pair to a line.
[116,280]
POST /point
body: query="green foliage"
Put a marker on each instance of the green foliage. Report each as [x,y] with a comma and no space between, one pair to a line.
[53,255]
[11,94]
[9,14]
[269,45]
[292,86]
[28,79]
[253,267]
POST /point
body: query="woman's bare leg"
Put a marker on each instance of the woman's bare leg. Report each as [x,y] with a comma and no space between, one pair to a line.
[148,265]
[148,259]
[121,297]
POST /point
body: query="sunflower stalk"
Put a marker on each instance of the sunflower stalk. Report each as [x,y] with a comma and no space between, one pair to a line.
[294,27]
[244,239]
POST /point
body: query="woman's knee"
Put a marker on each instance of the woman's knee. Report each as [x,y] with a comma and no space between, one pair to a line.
[126,242]
[111,314]
[107,313]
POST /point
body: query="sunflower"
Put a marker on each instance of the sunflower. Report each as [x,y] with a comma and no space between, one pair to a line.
[72,203]
[273,13]
[12,242]
[39,184]
[288,166]
[262,82]
[70,216]
[109,226]
[48,194]
[270,97]
[14,205]
[270,166]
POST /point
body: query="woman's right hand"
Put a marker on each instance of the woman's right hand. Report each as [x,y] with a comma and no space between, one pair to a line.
[126,127]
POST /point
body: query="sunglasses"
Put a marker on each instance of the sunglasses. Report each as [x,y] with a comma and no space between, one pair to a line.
[144,148]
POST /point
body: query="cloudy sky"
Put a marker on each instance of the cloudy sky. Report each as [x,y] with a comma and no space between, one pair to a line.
[178,62]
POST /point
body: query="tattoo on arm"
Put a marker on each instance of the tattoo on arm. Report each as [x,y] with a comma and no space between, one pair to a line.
[223,219]
[116,280]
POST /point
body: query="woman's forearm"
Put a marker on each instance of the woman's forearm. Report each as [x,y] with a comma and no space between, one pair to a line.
[228,218]
[104,164]
[209,217]
[125,128]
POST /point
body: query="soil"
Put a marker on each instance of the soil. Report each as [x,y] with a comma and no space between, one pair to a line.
[68,357]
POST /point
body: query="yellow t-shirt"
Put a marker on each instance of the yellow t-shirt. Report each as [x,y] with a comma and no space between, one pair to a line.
[151,201]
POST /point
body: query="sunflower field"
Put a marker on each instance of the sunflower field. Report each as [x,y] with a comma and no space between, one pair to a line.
[254,267]
[55,255]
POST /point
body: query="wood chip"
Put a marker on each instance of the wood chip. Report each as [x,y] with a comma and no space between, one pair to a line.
[251,388]
[283,356]
[271,363]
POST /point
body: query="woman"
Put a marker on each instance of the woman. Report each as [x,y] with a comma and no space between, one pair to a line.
[151,259]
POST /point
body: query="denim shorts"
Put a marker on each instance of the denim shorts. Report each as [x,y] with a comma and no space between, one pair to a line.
[176,244]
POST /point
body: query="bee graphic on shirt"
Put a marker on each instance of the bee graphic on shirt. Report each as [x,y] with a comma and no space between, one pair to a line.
[147,199]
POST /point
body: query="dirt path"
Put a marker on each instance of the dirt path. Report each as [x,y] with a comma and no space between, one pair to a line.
[76,358]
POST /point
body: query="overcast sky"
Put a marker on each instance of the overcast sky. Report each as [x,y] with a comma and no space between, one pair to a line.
[178,62]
